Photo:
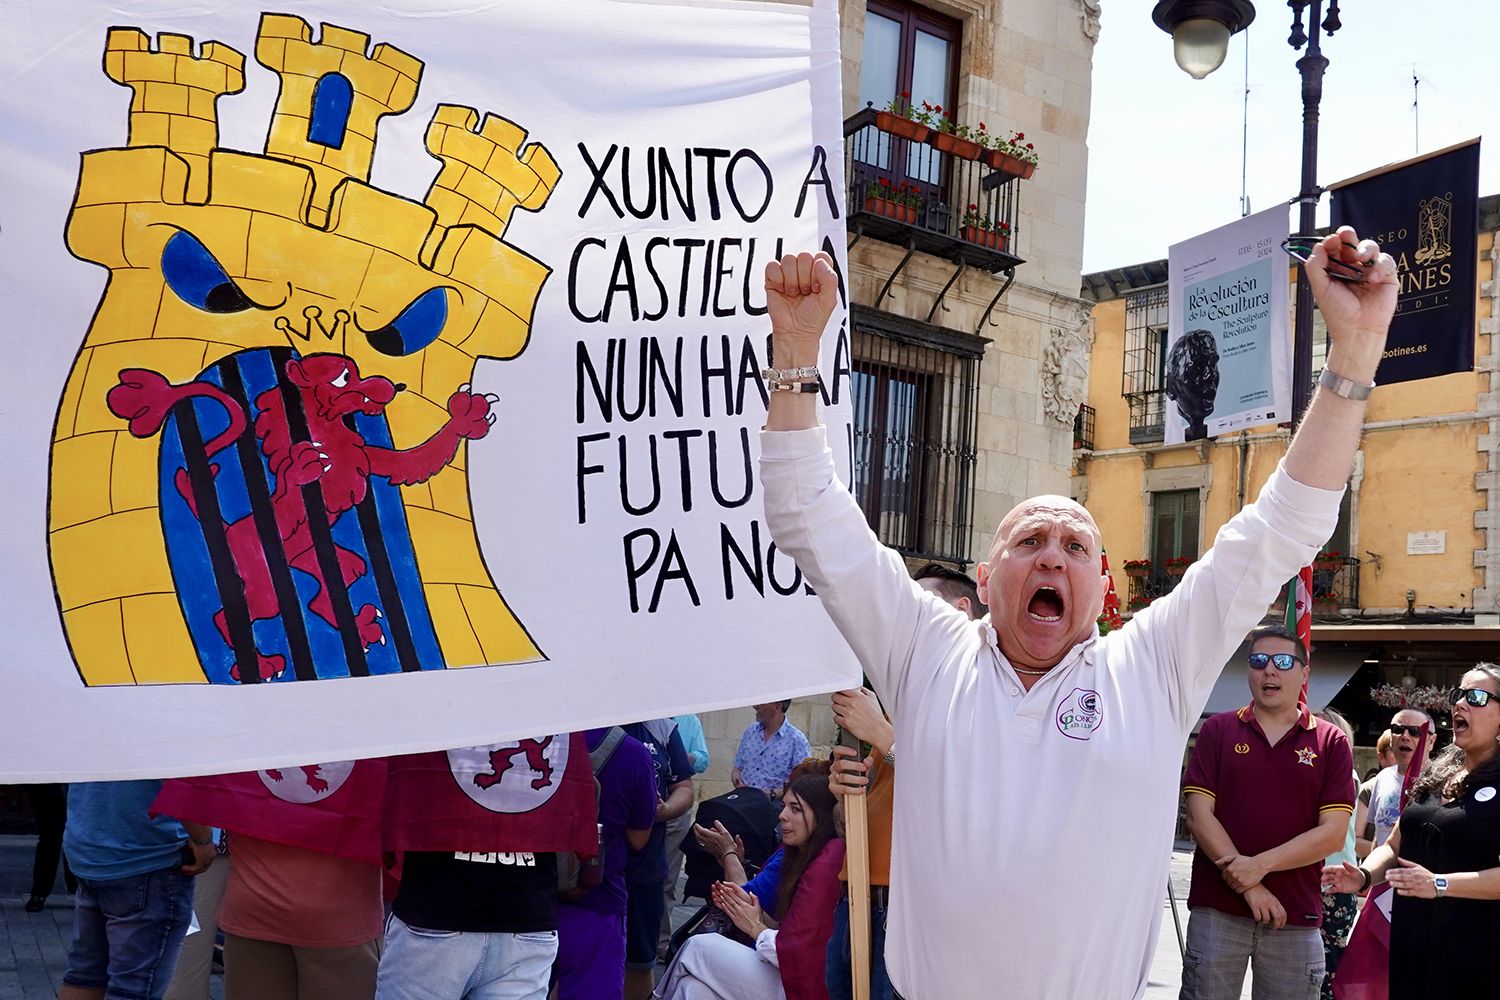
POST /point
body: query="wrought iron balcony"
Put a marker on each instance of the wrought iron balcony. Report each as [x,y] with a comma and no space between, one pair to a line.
[1335,587]
[913,195]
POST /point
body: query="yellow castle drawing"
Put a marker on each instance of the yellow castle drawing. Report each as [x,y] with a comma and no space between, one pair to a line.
[259,463]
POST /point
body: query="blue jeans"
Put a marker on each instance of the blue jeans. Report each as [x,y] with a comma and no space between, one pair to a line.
[420,964]
[127,933]
[838,973]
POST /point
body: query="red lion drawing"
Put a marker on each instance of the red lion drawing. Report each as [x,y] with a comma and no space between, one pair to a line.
[311,773]
[536,759]
[335,457]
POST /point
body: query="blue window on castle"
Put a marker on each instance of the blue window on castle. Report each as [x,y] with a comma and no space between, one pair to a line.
[332,98]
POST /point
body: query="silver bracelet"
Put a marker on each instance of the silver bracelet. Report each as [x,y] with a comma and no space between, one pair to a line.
[1346,387]
[807,373]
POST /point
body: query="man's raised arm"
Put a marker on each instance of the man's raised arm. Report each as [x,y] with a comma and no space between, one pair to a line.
[1358,315]
[802,291]
[864,586]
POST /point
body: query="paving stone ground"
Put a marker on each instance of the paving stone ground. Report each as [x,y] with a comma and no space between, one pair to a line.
[34,946]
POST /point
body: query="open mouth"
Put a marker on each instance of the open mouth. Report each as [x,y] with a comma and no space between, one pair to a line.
[1046,605]
[1460,725]
[1270,687]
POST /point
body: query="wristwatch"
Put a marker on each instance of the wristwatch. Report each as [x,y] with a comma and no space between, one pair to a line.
[1346,387]
[1441,885]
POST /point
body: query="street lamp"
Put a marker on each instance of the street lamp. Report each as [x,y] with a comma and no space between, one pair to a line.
[1229,16]
[1200,30]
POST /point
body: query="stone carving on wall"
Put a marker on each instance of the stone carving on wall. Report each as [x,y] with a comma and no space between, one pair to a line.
[1089,16]
[1065,372]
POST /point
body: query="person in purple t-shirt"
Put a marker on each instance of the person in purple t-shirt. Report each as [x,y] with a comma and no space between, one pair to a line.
[591,930]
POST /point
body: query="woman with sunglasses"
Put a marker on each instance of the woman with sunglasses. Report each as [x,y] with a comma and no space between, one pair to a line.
[1443,859]
[786,961]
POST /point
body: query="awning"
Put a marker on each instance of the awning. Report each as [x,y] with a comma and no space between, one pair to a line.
[1331,670]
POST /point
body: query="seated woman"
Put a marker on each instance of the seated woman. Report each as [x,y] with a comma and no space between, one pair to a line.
[729,850]
[787,960]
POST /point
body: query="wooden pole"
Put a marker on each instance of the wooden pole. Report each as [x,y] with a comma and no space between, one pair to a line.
[857,860]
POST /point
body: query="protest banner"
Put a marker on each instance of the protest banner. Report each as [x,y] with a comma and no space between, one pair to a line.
[1424,212]
[381,380]
[1228,353]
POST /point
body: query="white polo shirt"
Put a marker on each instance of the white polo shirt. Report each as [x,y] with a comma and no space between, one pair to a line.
[1032,830]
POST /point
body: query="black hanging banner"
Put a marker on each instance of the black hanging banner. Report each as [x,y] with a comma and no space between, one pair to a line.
[1424,213]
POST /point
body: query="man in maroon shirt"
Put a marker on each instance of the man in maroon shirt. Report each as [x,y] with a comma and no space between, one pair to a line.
[1269,795]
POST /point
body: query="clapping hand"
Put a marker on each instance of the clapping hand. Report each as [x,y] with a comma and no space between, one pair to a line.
[740,906]
[718,841]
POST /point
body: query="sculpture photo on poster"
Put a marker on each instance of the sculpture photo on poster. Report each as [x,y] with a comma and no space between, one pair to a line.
[386,383]
[1227,358]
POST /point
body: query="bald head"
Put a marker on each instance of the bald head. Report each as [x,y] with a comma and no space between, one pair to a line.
[1045,508]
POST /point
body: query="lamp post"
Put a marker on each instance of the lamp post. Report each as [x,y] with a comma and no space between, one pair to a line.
[1212,22]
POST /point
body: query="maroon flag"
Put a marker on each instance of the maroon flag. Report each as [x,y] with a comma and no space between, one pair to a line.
[522,795]
[1364,968]
[332,808]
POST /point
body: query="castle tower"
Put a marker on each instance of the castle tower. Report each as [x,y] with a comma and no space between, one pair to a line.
[485,176]
[332,98]
[283,248]
[176,94]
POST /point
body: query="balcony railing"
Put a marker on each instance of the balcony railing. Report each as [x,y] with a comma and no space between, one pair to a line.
[963,210]
[1083,428]
[1336,588]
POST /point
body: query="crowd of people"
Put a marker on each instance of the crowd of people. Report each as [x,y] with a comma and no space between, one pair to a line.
[1023,856]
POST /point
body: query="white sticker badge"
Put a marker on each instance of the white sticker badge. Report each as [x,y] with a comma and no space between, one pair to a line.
[1485,794]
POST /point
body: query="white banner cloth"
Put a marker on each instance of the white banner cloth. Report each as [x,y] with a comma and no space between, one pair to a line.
[386,378]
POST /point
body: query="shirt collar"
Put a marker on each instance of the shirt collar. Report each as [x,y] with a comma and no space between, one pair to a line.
[1305,720]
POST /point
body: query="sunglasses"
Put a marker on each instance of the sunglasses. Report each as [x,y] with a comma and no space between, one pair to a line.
[1408,730]
[1476,697]
[1283,661]
[1300,248]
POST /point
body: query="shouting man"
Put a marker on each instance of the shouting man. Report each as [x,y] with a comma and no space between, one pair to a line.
[1034,851]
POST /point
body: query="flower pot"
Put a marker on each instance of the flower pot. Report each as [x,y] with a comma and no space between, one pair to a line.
[947,142]
[1327,564]
[896,124]
[1176,570]
[1138,573]
[891,210]
[1011,166]
[984,237]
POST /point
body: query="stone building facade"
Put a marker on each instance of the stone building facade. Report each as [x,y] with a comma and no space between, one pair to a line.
[970,364]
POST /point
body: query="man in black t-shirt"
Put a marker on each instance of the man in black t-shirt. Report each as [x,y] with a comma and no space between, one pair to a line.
[645,869]
[466,922]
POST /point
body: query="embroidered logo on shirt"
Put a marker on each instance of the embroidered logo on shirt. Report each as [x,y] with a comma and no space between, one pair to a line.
[1080,714]
[1306,756]
[1242,748]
